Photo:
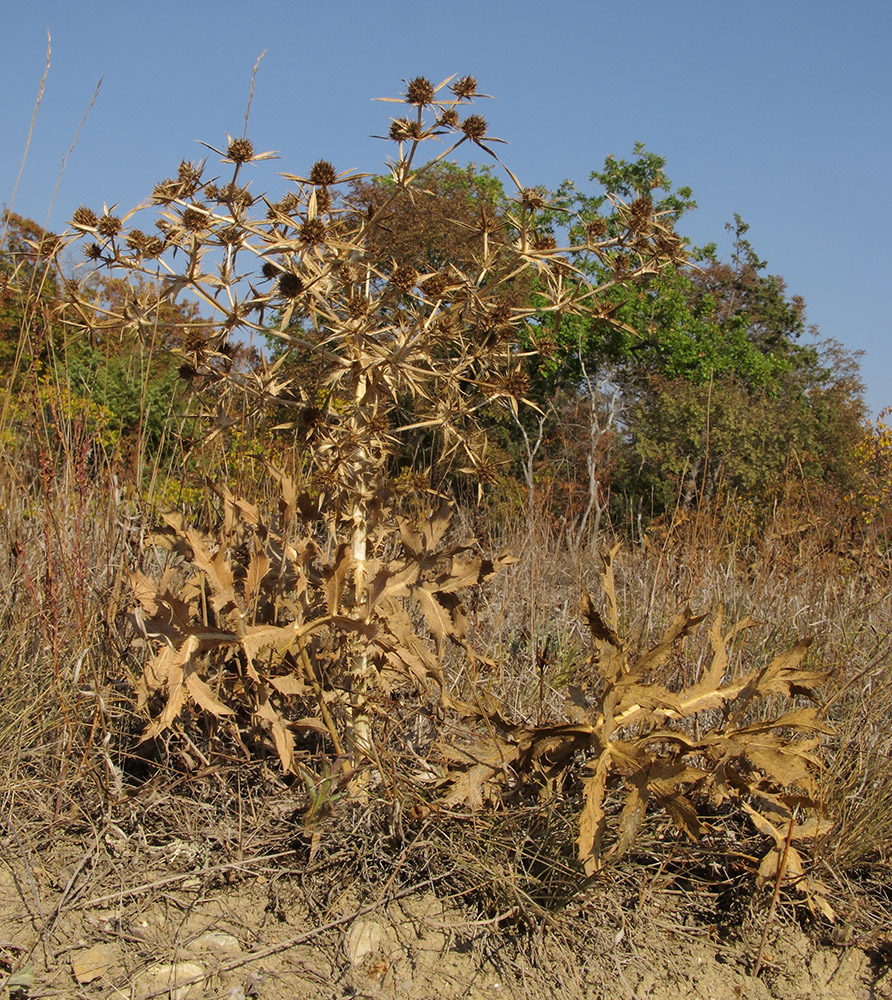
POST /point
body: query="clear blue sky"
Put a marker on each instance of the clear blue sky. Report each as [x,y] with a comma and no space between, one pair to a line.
[778,110]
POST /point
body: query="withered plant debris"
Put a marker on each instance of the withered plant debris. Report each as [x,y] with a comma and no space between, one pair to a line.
[631,737]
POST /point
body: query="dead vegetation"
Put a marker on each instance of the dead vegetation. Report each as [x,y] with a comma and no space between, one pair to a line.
[334,693]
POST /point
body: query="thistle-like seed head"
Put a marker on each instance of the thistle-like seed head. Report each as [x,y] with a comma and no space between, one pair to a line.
[357,306]
[640,212]
[166,191]
[420,91]
[322,173]
[313,231]
[323,200]
[474,127]
[230,235]
[403,277]
[402,129]
[596,229]
[240,150]
[448,119]
[196,219]
[436,285]
[464,88]
[93,251]
[532,200]
[108,225]
[153,247]
[290,285]
[544,242]
[135,240]
[269,270]
[189,177]
[84,218]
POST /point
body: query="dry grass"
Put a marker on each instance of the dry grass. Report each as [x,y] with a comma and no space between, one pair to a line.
[72,532]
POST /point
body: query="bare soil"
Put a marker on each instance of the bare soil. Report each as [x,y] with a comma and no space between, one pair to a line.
[108,916]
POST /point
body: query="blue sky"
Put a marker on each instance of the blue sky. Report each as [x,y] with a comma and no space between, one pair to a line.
[778,111]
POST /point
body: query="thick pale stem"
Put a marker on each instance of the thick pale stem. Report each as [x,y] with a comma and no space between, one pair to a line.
[360,723]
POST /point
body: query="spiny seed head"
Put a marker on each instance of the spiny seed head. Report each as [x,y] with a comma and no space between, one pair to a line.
[136,239]
[596,229]
[109,225]
[313,231]
[323,200]
[212,192]
[402,129]
[532,200]
[84,218]
[346,271]
[640,212]
[194,341]
[544,242]
[436,285]
[322,173]
[235,195]
[93,251]
[240,150]
[474,127]
[420,91]
[230,235]
[290,285]
[189,177]
[166,191]
[196,219]
[515,384]
[464,88]
[357,306]
[448,119]
[487,472]
[403,277]
[153,247]
[269,270]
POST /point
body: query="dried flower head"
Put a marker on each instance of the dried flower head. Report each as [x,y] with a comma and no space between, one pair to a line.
[402,129]
[357,306]
[403,277]
[84,218]
[196,219]
[474,127]
[212,192]
[152,247]
[448,119]
[194,341]
[313,231]
[436,285]
[323,200]
[487,472]
[189,177]
[270,270]
[187,372]
[290,285]
[135,240]
[240,150]
[544,242]
[322,173]
[236,196]
[639,213]
[464,88]
[108,225]
[93,251]
[420,91]
[230,235]
[532,200]
[596,229]
[166,191]
[516,384]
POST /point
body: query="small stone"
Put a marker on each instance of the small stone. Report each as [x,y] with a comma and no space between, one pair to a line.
[216,943]
[92,963]
[175,978]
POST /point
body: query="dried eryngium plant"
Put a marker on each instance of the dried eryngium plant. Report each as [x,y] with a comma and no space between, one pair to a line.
[633,738]
[392,351]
